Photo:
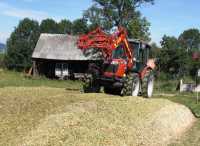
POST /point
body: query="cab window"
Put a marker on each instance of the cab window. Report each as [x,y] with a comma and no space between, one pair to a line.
[135,48]
[144,54]
[119,53]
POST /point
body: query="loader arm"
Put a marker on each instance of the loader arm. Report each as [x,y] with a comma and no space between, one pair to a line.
[97,39]
[107,43]
[121,38]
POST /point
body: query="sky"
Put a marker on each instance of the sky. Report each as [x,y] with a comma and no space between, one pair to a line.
[170,18]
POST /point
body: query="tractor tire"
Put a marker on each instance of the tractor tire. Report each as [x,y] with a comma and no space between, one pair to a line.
[91,86]
[91,83]
[132,85]
[148,86]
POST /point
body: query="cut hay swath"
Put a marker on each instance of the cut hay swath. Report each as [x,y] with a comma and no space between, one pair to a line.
[50,116]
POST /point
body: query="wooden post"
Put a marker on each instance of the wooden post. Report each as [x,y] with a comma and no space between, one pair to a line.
[35,70]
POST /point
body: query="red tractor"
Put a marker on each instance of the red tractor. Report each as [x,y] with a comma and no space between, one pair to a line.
[126,69]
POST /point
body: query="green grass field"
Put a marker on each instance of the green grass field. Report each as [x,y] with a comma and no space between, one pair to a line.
[10,80]
[16,79]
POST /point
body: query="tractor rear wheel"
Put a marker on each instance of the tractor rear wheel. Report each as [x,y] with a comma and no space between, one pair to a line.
[131,85]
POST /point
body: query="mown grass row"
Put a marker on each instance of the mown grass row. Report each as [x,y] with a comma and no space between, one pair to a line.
[15,79]
[163,89]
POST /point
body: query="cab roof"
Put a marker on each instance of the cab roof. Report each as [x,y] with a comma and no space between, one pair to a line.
[139,41]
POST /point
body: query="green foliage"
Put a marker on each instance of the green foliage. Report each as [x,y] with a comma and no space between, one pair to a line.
[80,26]
[21,44]
[171,43]
[190,40]
[110,13]
[174,61]
[155,50]
[49,26]
[176,54]
[2,60]
[95,16]
[138,28]
[120,12]
[65,27]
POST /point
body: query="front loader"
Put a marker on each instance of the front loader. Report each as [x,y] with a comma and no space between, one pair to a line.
[126,69]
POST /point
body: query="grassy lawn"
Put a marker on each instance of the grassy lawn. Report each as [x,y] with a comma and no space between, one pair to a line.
[16,79]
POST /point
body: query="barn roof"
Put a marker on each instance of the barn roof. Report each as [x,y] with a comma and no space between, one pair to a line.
[59,47]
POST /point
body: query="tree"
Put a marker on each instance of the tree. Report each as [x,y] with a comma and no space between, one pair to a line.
[138,28]
[49,26]
[190,40]
[110,13]
[95,17]
[21,43]
[79,26]
[65,27]
[169,42]
[120,12]
[173,59]
[155,50]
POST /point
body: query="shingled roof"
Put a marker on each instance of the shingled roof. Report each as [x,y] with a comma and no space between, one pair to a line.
[59,47]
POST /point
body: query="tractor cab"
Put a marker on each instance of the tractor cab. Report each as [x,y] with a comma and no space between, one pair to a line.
[117,66]
[141,54]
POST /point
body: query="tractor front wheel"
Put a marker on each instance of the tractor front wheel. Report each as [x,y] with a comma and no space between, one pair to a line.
[148,85]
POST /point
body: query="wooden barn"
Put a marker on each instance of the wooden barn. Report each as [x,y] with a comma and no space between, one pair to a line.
[57,56]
